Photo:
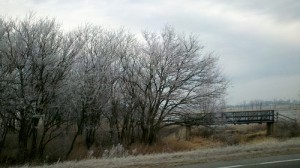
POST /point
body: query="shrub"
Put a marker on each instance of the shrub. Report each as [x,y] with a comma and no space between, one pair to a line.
[205,132]
[228,139]
[115,151]
[286,129]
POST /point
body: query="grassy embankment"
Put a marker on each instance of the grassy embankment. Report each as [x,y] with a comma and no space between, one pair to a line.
[234,142]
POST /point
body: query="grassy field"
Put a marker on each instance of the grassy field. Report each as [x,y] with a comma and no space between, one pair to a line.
[225,143]
[206,144]
[270,146]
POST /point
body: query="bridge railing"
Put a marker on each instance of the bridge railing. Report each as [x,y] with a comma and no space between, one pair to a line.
[246,117]
[236,117]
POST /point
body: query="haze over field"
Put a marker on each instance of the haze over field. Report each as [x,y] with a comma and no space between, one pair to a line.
[257,41]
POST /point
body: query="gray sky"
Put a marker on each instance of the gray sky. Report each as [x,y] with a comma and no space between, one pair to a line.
[258,41]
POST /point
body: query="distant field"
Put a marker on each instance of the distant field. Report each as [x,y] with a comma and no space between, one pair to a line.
[292,113]
[290,110]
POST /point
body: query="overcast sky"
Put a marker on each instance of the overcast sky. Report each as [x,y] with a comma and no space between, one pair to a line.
[258,41]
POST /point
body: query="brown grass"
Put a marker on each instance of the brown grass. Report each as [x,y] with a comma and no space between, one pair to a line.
[170,145]
[171,140]
[266,148]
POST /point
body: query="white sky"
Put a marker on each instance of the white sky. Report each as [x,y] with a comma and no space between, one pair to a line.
[258,41]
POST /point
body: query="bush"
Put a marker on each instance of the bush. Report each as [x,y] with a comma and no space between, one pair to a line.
[286,129]
[205,132]
[228,139]
[115,151]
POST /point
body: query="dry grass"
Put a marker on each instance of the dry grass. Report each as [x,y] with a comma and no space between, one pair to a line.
[269,146]
[170,145]
[220,143]
[286,129]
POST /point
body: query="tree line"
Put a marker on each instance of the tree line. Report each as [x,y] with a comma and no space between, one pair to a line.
[92,76]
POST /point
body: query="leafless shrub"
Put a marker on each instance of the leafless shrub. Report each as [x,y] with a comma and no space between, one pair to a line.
[286,129]
[228,139]
[115,151]
[205,132]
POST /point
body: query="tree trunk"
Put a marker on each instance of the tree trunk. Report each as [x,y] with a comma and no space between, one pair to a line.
[22,143]
[3,137]
[72,144]
[90,137]
[41,147]
[78,132]
[34,138]
[149,135]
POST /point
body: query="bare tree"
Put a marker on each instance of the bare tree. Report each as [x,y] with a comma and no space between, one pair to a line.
[91,75]
[170,74]
[39,57]
[256,104]
[97,89]
[3,71]
[58,111]
[89,85]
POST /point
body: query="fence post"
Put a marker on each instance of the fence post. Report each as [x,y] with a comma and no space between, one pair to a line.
[188,132]
[270,128]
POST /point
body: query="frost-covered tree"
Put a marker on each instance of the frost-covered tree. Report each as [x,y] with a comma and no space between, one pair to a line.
[38,57]
[89,85]
[4,70]
[96,83]
[170,74]
[92,76]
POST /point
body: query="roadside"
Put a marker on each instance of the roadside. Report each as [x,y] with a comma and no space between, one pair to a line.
[267,148]
[278,161]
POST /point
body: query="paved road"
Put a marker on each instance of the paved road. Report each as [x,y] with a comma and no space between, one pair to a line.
[286,161]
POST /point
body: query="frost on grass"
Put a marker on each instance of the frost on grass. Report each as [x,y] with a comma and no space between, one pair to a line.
[118,156]
[115,151]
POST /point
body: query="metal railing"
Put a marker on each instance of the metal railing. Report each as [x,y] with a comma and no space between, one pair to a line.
[236,117]
[247,117]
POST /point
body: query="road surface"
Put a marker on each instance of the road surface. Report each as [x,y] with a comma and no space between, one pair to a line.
[286,161]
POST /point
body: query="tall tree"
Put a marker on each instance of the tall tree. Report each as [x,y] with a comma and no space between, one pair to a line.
[39,57]
[4,70]
[96,87]
[170,74]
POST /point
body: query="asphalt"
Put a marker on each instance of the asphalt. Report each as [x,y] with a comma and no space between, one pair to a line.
[281,161]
